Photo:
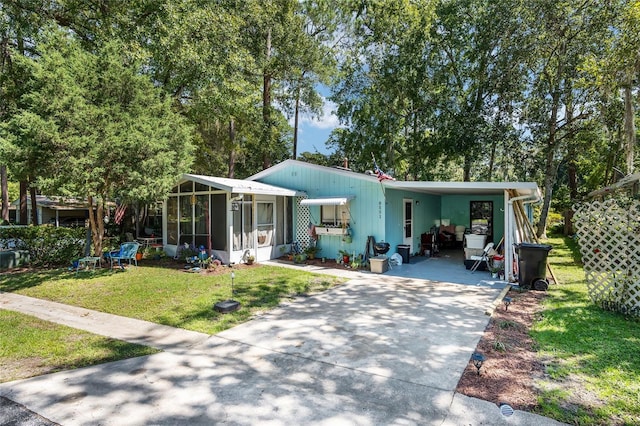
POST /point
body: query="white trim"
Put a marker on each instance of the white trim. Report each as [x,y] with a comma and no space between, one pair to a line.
[332,201]
[238,186]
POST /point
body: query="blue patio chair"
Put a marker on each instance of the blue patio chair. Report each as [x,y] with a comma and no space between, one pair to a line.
[127,252]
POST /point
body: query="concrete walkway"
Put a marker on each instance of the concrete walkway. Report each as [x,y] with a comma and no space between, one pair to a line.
[375,351]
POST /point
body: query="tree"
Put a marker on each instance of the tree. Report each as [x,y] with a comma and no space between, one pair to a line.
[562,35]
[384,89]
[95,113]
[615,73]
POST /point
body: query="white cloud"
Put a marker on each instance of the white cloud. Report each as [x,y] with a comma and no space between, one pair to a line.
[327,119]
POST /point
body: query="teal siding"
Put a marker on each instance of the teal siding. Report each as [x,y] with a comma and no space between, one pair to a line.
[374,212]
[426,209]
[367,208]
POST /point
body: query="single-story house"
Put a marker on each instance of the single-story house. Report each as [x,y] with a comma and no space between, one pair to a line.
[54,210]
[338,209]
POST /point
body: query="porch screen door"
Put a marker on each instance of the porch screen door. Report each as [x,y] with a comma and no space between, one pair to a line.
[265,223]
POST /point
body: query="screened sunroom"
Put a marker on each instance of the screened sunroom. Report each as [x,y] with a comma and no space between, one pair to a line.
[230,218]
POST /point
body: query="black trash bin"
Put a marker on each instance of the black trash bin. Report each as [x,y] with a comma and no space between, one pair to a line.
[532,265]
[403,250]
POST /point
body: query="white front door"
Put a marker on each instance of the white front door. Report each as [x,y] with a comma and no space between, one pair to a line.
[408,224]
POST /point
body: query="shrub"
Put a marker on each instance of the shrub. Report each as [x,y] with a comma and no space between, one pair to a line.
[47,245]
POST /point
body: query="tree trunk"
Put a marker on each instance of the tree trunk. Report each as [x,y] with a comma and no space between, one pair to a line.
[629,129]
[295,125]
[492,160]
[467,168]
[4,184]
[96,223]
[232,151]
[34,205]
[266,105]
[550,166]
[24,220]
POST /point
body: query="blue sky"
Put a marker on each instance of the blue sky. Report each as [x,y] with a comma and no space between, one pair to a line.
[314,132]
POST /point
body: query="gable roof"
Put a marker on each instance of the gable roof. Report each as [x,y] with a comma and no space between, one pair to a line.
[529,189]
[337,170]
[240,186]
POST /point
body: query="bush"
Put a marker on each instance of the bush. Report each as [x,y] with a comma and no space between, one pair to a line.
[47,245]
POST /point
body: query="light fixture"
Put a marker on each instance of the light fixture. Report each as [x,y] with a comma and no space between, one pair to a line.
[478,359]
[507,302]
[228,305]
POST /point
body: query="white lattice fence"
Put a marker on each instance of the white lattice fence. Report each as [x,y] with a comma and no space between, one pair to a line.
[304,218]
[609,238]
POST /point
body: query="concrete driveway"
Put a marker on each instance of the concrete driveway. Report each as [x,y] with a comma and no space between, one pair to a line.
[375,351]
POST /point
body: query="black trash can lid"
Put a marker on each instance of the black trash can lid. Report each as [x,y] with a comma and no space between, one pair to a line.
[533,246]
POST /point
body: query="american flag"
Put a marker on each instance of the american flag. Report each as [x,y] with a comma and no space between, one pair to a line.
[380,174]
[119,214]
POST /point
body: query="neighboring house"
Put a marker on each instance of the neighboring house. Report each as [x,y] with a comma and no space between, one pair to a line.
[295,201]
[57,211]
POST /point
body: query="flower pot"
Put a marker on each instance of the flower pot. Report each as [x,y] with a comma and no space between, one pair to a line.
[138,256]
[345,259]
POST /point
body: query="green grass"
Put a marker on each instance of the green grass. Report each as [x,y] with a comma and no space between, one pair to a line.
[170,296]
[30,347]
[592,355]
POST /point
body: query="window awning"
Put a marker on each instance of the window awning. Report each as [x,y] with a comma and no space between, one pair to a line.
[330,201]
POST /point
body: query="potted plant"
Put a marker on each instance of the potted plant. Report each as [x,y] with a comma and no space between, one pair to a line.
[250,259]
[299,258]
[345,256]
[494,270]
[311,251]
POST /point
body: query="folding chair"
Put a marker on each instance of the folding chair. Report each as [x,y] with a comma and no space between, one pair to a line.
[484,257]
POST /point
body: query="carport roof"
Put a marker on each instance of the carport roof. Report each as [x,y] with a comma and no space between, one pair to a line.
[529,189]
[239,186]
[468,188]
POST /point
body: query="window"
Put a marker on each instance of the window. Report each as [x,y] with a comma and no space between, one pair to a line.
[482,218]
[334,215]
[172,220]
[265,223]
[186,220]
[243,225]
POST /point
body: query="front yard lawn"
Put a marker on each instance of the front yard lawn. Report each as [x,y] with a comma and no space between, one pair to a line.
[169,295]
[30,347]
[166,295]
[591,356]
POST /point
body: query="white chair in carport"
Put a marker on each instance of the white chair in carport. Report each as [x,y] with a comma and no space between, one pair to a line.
[484,257]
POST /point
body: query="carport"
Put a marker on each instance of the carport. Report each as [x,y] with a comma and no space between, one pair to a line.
[455,199]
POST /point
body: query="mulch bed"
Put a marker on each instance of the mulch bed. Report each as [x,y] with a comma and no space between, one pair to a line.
[511,365]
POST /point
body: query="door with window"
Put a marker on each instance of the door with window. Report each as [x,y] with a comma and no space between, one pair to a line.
[265,224]
[408,224]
